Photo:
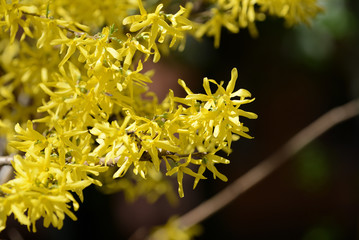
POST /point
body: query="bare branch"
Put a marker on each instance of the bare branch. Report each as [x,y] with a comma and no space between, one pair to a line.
[5,160]
[269,165]
[6,173]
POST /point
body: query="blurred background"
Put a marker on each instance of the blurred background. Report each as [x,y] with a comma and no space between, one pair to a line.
[296,75]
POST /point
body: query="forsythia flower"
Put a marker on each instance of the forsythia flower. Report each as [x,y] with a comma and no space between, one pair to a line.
[180,169]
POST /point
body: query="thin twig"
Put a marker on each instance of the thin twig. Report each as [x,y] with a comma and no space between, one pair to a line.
[269,165]
[5,160]
[6,173]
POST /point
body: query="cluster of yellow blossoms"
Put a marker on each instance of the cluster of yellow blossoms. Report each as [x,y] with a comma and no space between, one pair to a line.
[236,14]
[72,88]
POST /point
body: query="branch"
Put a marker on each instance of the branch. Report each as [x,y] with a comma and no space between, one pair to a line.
[5,160]
[6,170]
[269,165]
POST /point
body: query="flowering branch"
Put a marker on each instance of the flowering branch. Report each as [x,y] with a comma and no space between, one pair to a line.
[6,160]
[265,168]
[94,88]
[272,163]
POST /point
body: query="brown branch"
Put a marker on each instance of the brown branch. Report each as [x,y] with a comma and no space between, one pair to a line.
[269,165]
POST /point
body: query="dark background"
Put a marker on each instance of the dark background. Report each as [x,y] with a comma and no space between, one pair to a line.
[296,74]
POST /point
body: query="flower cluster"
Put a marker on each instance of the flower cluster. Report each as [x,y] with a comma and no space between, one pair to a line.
[177,135]
[45,177]
[236,14]
[72,99]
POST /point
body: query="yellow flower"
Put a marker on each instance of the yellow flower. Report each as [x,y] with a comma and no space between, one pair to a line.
[180,169]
